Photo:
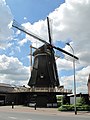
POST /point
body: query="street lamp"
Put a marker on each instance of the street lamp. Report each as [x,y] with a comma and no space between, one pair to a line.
[74,79]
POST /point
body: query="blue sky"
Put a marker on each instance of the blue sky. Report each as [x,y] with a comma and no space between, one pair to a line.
[33,10]
[70,22]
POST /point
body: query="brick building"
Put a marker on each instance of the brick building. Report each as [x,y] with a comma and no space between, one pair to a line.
[88,84]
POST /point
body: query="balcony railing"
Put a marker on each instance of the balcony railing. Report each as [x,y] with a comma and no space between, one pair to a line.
[43,89]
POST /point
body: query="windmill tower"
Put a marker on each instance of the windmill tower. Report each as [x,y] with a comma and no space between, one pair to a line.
[88,84]
[44,72]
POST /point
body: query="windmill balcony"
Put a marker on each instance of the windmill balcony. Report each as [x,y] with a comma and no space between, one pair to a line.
[42,89]
[50,89]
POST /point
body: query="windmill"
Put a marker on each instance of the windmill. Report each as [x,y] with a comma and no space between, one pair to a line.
[44,72]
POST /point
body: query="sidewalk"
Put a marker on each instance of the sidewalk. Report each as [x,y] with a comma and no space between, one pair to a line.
[50,111]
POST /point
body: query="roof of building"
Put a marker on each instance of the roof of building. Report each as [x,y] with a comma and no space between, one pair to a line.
[5,85]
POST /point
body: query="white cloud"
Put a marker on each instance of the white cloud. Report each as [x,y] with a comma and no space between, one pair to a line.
[81,79]
[13,71]
[18,32]
[25,18]
[63,64]
[76,26]
[22,42]
[39,29]
[5,24]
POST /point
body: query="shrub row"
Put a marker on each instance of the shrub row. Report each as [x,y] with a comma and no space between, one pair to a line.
[71,108]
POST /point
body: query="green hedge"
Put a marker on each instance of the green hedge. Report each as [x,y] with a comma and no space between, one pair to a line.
[83,108]
[71,108]
[66,108]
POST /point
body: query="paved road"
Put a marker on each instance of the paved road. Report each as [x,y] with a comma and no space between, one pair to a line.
[48,114]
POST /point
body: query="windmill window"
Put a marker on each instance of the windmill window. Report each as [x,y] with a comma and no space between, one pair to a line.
[41,76]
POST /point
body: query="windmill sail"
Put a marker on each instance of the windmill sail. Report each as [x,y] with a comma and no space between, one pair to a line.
[21,28]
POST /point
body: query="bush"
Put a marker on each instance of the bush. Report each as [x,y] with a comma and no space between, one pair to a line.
[81,101]
[66,108]
[83,108]
[59,103]
[61,108]
[80,106]
[71,108]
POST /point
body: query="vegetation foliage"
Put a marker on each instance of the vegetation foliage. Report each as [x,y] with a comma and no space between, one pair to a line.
[80,106]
